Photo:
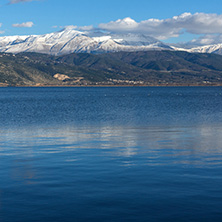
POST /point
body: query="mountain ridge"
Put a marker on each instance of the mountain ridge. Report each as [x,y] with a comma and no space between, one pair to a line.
[120,68]
[70,40]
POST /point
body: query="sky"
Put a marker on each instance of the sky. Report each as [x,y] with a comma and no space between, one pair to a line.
[166,20]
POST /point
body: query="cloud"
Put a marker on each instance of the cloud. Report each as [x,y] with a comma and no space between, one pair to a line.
[19,1]
[70,27]
[198,23]
[86,28]
[24,24]
[80,28]
[1,31]
[201,23]
[206,40]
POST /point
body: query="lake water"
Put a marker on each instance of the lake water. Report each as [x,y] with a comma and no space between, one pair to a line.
[111,154]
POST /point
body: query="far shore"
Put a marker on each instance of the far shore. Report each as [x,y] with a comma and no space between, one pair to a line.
[151,85]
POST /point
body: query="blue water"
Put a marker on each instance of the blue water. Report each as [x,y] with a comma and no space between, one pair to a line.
[111,154]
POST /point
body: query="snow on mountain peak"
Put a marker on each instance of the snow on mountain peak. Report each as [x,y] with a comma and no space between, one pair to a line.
[215,48]
[70,40]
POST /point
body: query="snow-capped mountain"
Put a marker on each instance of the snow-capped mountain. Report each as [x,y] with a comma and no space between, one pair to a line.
[70,40]
[215,48]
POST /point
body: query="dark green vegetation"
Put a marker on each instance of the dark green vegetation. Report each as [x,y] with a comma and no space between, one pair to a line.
[148,68]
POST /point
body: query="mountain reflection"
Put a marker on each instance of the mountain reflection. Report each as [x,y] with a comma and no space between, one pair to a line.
[147,145]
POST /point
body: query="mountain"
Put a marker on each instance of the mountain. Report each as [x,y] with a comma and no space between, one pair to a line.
[215,48]
[70,40]
[198,48]
[120,68]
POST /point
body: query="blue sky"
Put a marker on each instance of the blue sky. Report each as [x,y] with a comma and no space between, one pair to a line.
[45,16]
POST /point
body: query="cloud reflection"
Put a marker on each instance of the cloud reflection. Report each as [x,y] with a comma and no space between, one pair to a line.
[159,145]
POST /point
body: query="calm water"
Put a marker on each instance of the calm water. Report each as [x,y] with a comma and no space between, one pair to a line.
[111,154]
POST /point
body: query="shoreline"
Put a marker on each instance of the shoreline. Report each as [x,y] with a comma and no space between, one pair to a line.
[79,86]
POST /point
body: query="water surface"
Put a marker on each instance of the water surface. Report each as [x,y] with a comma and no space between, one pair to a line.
[111,154]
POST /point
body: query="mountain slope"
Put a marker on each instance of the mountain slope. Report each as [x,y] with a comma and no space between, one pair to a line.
[149,68]
[172,60]
[158,66]
[32,69]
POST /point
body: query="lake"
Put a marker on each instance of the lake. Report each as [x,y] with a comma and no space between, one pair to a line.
[111,154]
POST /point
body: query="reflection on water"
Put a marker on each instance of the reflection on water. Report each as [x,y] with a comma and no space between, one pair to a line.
[148,158]
[189,145]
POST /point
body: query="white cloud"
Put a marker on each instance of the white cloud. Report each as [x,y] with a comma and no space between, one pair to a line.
[86,28]
[126,24]
[207,40]
[19,1]
[198,23]
[24,24]
[69,27]
[80,28]
[201,23]
[1,31]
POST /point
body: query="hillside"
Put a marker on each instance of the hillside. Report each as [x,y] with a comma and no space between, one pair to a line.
[121,68]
